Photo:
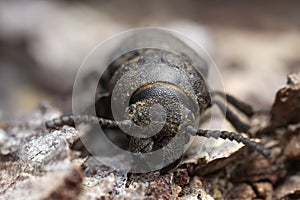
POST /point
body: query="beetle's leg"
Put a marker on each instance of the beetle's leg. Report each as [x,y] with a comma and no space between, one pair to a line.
[232,118]
[77,145]
[240,105]
[231,136]
[99,96]
[171,166]
[141,145]
[81,119]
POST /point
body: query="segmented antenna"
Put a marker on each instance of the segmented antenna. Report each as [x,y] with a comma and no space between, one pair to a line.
[231,136]
[71,120]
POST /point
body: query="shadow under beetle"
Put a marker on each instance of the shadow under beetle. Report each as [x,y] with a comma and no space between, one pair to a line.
[167,67]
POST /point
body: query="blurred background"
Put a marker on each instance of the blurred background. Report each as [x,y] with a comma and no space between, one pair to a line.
[42,43]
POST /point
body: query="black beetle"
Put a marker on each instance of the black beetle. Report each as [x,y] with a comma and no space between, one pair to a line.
[168,71]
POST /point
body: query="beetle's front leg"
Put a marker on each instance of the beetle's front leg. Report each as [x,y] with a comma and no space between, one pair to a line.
[140,146]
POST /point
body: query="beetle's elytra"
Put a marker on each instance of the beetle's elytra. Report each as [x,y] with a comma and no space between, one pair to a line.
[176,81]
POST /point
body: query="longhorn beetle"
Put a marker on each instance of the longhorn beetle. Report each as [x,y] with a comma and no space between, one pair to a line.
[168,68]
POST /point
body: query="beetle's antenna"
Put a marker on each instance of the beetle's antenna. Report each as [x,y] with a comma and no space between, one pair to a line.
[71,120]
[231,136]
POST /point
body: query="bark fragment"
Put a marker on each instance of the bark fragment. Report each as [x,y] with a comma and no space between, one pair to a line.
[286,107]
